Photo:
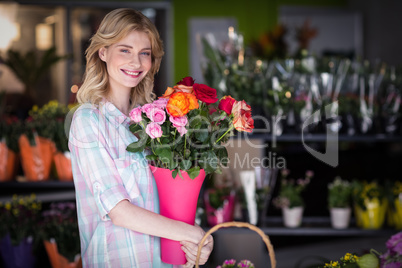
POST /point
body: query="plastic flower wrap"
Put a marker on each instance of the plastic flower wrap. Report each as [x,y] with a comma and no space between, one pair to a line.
[187,127]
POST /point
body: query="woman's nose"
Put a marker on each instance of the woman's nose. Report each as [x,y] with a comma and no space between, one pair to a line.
[135,61]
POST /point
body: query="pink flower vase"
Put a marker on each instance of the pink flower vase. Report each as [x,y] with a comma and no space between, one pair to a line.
[222,214]
[177,200]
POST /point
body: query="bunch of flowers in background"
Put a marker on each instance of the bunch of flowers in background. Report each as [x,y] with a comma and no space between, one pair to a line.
[186,128]
[232,264]
[60,223]
[393,257]
[290,193]
[339,193]
[19,217]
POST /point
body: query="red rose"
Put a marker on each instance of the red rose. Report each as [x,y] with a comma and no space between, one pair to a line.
[186,81]
[226,104]
[205,93]
[242,120]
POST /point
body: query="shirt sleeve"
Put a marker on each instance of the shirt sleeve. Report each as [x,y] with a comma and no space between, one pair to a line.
[95,163]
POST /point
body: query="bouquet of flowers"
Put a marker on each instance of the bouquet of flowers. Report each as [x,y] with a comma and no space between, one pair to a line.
[290,192]
[186,128]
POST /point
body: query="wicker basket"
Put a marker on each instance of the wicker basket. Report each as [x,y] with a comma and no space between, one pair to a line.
[264,237]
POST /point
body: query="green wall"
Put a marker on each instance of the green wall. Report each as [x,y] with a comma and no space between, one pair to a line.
[253,17]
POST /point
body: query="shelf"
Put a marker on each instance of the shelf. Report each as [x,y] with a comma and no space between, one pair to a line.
[312,226]
[37,185]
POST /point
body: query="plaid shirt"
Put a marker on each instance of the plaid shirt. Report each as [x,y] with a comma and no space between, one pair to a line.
[105,174]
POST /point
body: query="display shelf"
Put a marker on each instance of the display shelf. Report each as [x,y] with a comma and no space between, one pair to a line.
[314,226]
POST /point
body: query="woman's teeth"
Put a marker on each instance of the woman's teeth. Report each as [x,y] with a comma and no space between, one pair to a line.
[131,73]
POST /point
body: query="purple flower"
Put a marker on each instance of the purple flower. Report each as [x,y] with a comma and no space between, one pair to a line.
[394,244]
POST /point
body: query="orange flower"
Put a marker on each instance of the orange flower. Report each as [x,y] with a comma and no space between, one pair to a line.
[193,101]
[178,104]
[242,120]
[169,91]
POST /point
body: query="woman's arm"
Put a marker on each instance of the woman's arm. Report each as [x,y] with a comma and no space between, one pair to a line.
[138,219]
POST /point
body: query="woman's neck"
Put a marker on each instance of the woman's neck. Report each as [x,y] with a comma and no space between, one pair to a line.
[121,101]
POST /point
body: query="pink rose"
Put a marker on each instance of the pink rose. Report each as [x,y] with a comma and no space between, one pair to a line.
[136,115]
[161,103]
[154,130]
[181,130]
[146,108]
[157,115]
[178,121]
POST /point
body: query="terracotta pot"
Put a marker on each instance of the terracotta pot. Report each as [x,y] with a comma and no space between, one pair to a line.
[36,160]
[8,163]
[62,162]
[57,260]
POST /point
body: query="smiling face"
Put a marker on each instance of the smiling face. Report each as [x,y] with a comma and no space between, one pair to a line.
[128,61]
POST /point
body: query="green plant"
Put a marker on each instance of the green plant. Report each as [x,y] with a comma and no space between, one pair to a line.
[60,223]
[30,68]
[19,218]
[290,193]
[339,193]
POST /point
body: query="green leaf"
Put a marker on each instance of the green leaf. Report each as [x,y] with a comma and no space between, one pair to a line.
[185,164]
[151,157]
[136,147]
[193,172]
[174,173]
[134,128]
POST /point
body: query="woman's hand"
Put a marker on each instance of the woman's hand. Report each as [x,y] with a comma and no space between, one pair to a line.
[191,249]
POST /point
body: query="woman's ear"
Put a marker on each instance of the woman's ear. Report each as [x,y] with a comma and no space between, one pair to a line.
[102,54]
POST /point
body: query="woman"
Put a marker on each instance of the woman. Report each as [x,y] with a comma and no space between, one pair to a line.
[116,195]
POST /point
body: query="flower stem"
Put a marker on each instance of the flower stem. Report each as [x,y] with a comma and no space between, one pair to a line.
[223,135]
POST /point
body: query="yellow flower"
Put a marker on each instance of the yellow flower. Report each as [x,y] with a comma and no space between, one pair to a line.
[8,206]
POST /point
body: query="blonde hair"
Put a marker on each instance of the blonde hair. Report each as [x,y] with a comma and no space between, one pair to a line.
[115,26]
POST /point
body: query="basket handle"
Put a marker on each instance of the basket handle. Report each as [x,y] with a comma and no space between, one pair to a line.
[264,237]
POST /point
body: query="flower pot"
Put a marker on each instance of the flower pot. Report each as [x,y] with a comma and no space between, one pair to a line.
[36,160]
[340,217]
[177,200]
[395,214]
[57,260]
[62,163]
[19,256]
[222,214]
[373,216]
[8,163]
[292,217]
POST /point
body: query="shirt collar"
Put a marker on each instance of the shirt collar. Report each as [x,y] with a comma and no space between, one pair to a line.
[114,115]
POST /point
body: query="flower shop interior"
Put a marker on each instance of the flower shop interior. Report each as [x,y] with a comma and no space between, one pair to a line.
[323,79]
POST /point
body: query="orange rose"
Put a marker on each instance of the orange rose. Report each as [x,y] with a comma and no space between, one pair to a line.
[242,120]
[169,91]
[193,101]
[178,104]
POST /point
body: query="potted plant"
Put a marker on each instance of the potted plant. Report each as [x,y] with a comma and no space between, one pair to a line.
[60,235]
[290,198]
[339,202]
[10,128]
[394,195]
[18,219]
[370,204]
[219,205]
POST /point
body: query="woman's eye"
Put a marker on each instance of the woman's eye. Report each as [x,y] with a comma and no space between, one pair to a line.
[124,50]
[146,53]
